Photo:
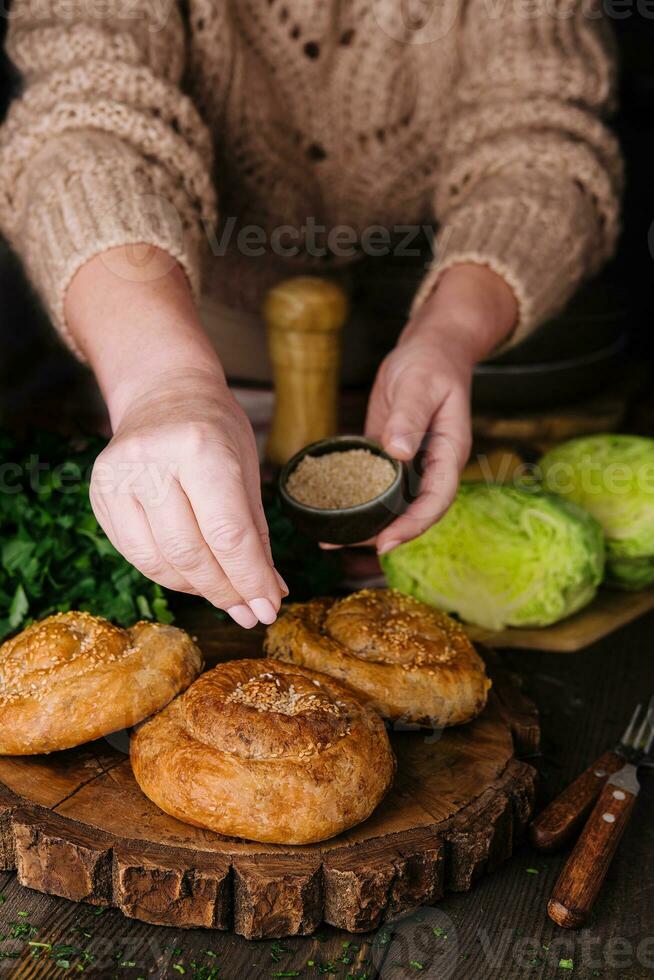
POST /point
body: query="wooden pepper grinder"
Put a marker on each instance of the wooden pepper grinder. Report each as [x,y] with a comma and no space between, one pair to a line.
[305,317]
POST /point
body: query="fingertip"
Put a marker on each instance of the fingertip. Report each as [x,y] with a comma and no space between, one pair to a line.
[401,440]
[264,610]
[282,584]
[243,616]
[399,447]
[385,546]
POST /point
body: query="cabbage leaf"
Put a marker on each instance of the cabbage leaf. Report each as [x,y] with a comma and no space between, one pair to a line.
[612,477]
[503,556]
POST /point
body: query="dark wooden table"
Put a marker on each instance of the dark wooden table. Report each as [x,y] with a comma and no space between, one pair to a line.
[499,930]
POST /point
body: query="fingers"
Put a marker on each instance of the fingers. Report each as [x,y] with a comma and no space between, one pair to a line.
[222,510]
[437,490]
[132,537]
[446,453]
[252,481]
[408,421]
[178,537]
[325,546]
[377,412]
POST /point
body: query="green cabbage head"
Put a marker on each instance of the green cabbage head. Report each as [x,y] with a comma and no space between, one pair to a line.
[503,556]
[612,477]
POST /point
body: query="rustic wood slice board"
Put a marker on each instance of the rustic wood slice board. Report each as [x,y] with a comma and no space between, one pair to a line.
[607,613]
[75,824]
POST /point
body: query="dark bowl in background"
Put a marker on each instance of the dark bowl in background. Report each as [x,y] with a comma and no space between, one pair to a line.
[573,356]
[570,357]
[346,525]
[547,384]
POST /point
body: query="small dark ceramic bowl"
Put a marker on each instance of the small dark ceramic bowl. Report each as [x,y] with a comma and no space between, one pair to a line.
[346,525]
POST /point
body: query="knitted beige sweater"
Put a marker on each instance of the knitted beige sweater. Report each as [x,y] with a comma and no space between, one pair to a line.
[485,117]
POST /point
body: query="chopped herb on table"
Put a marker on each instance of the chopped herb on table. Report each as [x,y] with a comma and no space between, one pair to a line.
[566,965]
[204,972]
[21,930]
[277,951]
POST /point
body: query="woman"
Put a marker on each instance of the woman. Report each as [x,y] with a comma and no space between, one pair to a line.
[483,116]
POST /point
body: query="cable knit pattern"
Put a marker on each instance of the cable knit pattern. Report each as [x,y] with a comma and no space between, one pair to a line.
[485,117]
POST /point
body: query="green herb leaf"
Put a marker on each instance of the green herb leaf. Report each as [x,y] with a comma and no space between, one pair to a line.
[277,951]
[18,608]
[54,556]
[566,965]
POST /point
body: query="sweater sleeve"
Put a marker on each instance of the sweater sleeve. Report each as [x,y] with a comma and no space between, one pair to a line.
[102,148]
[531,178]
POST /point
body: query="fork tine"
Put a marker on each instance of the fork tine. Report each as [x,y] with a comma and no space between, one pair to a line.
[639,738]
[626,738]
[649,737]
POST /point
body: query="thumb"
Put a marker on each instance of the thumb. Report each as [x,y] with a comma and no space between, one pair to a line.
[408,421]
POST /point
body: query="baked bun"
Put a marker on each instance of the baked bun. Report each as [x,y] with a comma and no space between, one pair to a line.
[74,677]
[407,660]
[266,751]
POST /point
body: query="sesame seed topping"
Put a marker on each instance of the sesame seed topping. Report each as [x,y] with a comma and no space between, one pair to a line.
[264,693]
[32,661]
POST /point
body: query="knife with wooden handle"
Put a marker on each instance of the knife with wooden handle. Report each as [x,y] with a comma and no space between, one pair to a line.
[563,817]
[583,874]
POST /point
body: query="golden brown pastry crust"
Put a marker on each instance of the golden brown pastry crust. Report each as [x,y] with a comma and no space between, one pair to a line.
[74,677]
[266,751]
[411,662]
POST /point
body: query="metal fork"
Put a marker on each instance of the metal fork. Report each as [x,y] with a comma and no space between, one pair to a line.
[564,816]
[617,779]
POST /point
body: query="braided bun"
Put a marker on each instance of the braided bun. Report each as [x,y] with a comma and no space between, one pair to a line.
[410,661]
[74,677]
[266,751]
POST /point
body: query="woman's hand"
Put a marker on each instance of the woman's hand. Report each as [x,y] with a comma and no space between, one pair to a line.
[421,397]
[177,490]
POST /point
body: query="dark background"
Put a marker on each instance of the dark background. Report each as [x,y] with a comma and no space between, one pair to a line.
[34,368]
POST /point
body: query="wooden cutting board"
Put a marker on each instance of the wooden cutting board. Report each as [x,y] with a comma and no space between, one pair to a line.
[75,824]
[607,612]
